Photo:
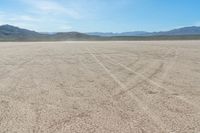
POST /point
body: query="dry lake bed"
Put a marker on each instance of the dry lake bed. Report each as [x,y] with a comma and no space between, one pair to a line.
[100,87]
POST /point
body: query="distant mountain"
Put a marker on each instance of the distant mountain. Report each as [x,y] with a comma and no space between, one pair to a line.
[193,30]
[8,32]
[13,33]
[70,35]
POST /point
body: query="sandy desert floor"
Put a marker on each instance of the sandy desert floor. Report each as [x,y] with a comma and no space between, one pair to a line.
[100,87]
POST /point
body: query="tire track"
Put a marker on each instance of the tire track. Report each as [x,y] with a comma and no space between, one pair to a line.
[141,93]
[172,64]
[108,95]
[142,105]
[139,83]
[117,103]
[153,82]
[138,58]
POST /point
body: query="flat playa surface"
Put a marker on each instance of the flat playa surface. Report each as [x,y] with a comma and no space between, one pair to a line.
[100,87]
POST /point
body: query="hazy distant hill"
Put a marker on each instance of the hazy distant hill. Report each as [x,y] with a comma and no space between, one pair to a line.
[193,30]
[12,33]
[71,36]
[8,32]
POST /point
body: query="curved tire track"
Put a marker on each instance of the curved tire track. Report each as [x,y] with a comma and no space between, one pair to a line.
[142,105]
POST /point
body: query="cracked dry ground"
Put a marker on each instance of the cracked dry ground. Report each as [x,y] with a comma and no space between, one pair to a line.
[100,87]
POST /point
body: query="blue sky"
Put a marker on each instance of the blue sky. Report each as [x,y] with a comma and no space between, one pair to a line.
[100,15]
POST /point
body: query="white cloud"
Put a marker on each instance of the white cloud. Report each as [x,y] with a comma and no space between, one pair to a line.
[44,15]
[38,23]
[46,5]
[21,21]
[52,7]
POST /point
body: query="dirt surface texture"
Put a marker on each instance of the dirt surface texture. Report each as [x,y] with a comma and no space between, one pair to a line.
[100,87]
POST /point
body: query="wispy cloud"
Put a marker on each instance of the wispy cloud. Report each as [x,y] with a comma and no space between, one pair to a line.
[52,7]
[17,20]
[34,22]
[46,5]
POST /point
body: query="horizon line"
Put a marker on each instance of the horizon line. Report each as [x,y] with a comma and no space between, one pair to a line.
[100,31]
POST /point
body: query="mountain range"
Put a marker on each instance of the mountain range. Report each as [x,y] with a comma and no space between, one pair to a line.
[13,33]
[193,30]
